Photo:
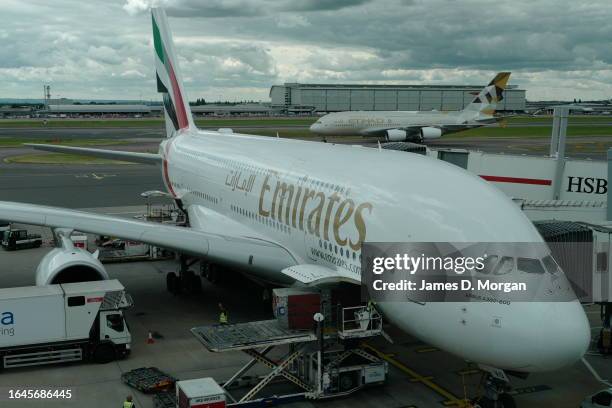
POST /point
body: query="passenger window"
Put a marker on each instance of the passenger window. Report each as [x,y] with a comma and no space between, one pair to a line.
[504,266]
[529,265]
[489,263]
[76,301]
[550,264]
[115,322]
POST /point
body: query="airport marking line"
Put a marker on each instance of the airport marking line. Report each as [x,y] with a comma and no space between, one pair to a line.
[518,180]
[451,399]
[530,389]
[469,371]
[95,176]
[427,350]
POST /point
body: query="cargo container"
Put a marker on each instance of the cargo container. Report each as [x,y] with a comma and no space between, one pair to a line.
[294,308]
[199,393]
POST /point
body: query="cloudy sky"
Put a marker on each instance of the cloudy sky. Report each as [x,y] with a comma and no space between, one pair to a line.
[236,49]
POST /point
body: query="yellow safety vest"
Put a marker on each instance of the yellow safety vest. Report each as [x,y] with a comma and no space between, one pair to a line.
[223,317]
[128,404]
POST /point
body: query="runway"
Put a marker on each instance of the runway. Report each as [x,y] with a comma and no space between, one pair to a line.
[76,186]
[85,186]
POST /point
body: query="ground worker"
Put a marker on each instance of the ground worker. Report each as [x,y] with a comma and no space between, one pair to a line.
[128,402]
[223,318]
[372,313]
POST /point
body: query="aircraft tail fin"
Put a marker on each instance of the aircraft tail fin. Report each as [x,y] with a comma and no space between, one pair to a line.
[486,101]
[169,81]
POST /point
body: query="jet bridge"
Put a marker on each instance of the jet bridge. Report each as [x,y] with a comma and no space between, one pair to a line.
[584,252]
[321,363]
[545,187]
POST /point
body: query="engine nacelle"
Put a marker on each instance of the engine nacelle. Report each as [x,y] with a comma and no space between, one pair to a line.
[430,133]
[68,265]
[395,135]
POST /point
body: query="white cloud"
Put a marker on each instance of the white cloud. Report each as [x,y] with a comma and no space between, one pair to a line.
[240,48]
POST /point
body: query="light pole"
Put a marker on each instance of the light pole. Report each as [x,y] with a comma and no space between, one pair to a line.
[318,317]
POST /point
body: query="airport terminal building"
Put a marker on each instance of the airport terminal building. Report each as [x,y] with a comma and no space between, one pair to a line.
[305,98]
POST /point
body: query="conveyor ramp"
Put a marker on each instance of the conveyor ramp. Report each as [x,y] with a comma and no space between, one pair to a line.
[242,336]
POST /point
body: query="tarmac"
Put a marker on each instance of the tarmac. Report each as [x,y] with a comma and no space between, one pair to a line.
[78,185]
[420,375]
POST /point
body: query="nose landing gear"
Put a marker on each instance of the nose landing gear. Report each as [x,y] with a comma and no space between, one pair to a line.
[496,386]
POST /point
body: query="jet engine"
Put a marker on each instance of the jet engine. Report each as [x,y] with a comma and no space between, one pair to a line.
[68,264]
[395,135]
[430,133]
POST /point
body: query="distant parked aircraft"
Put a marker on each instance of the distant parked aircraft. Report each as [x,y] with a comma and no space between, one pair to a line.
[416,125]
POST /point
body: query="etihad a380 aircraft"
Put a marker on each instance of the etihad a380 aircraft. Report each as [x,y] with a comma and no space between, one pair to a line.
[418,126]
[295,212]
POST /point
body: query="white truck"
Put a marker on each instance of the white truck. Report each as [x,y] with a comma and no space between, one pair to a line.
[63,323]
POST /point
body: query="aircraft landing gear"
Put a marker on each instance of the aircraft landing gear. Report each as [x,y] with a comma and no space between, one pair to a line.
[186,281]
[495,393]
[213,273]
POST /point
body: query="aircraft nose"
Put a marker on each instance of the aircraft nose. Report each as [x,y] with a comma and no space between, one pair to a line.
[316,127]
[565,337]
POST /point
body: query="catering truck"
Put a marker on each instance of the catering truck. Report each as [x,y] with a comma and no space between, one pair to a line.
[63,323]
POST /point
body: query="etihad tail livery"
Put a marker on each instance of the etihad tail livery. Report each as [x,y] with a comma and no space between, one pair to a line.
[416,125]
[292,212]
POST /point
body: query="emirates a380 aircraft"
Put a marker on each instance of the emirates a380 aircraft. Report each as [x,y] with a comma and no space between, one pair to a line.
[297,212]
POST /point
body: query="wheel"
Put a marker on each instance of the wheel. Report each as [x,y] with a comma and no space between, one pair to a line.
[346,382]
[186,281]
[196,284]
[213,273]
[104,353]
[171,282]
[506,401]
[204,267]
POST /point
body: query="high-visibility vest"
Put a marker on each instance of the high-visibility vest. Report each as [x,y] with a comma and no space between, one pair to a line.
[128,404]
[371,305]
[223,317]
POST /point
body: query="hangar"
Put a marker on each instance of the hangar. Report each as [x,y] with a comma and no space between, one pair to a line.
[302,98]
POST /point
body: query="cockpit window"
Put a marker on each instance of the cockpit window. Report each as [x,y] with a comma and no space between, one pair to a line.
[550,264]
[504,266]
[529,265]
[489,263]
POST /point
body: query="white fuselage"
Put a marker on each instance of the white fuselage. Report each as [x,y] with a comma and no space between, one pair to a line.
[367,122]
[336,197]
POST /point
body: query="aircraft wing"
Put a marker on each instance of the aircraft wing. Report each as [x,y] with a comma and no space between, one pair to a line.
[146,158]
[237,250]
[380,131]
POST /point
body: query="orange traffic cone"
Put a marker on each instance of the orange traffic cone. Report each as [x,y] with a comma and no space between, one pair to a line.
[150,338]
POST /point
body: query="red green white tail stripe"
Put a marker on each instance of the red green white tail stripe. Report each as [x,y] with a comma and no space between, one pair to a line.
[176,106]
